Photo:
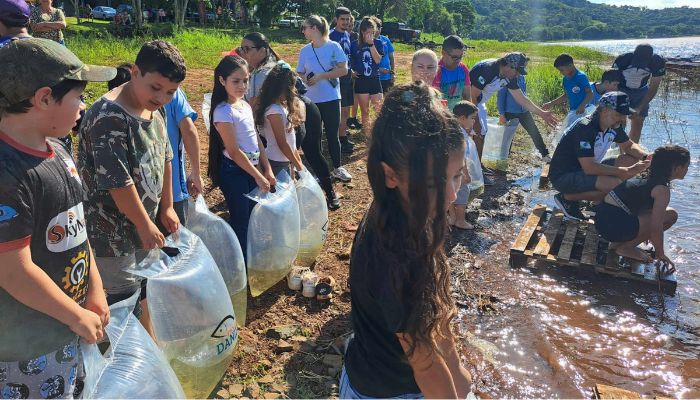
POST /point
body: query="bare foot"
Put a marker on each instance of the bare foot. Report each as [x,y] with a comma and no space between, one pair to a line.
[463,225]
[633,253]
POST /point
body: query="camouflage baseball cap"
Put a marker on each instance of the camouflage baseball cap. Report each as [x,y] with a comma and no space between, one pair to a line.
[618,101]
[30,64]
[517,61]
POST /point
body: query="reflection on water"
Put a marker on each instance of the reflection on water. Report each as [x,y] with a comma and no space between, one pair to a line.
[667,47]
[568,332]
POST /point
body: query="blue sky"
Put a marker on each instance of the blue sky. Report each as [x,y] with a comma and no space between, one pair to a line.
[651,3]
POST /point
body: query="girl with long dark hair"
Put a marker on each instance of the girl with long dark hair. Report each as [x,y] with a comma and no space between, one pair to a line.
[400,279]
[237,161]
[280,112]
[366,53]
[321,63]
[637,209]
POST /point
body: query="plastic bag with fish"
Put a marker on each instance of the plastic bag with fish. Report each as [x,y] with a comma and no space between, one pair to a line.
[568,122]
[206,108]
[273,234]
[313,215]
[497,143]
[476,186]
[191,311]
[133,366]
[224,247]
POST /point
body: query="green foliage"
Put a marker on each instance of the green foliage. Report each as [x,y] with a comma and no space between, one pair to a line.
[544,20]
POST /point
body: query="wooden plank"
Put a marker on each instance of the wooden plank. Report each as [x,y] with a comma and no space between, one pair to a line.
[549,235]
[544,176]
[590,246]
[528,229]
[567,242]
[611,392]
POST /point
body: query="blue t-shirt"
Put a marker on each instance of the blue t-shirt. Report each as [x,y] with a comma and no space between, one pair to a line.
[362,62]
[575,88]
[505,101]
[385,63]
[175,112]
[343,39]
[596,95]
[4,40]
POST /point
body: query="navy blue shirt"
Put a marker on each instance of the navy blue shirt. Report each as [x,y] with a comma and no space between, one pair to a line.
[485,76]
[343,39]
[361,58]
[636,75]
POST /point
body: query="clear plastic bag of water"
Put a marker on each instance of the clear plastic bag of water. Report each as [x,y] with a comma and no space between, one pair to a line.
[222,243]
[273,234]
[191,311]
[313,215]
[476,186]
[568,122]
[206,108]
[133,367]
[497,143]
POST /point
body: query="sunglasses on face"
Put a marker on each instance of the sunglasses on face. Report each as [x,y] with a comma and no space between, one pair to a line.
[245,49]
[456,57]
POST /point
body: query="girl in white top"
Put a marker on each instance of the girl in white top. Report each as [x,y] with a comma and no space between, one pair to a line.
[237,162]
[279,112]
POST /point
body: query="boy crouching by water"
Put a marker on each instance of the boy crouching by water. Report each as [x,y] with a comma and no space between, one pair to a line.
[50,290]
[124,158]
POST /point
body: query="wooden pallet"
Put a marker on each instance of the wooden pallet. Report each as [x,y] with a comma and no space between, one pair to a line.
[548,236]
[606,392]
[544,176]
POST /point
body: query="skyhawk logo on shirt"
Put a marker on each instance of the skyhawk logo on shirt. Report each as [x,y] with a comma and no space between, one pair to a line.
[576,89]
[66,230]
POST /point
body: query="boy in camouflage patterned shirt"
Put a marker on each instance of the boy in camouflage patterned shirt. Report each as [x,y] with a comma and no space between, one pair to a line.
[124,158]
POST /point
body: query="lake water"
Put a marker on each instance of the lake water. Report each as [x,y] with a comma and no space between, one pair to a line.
[566,332]
[667,47]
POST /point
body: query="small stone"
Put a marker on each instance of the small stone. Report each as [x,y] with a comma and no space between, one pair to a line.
[299,338]
[252,390]
[283,347]
[266,379]
[282,332]
[271,396]
[333,360]
[223,393]
[235,390]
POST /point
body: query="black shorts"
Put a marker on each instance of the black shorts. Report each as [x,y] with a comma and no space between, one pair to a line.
[368,85]
[386,85]
[615,224]
[347,95]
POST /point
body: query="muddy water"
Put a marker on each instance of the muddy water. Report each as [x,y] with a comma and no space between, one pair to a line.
[561,332]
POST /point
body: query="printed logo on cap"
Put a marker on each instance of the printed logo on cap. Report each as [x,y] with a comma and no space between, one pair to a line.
[482,80]
[7,213]
[66,230]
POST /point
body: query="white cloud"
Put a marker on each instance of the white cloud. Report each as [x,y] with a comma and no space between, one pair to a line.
[651,3]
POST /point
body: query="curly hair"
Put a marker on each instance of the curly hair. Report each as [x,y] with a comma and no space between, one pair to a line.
[414,135]
[664,160]
[280,88]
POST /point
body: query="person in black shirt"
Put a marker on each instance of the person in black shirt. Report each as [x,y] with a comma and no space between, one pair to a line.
[400,279]
[578,170]
[637,209]
[641,75]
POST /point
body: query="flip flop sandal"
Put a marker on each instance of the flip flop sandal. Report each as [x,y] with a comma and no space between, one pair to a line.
[324,288]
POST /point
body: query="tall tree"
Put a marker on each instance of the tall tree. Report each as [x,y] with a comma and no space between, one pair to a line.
[138,13]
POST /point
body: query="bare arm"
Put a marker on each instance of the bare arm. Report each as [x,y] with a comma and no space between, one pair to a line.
[589,96]
[633,149]
[524,101]
[556,102]
[591,167]
[467,93]
[228,135]
[430,371]
[460,376]
[662,196]
[375,54]
[654,83]
[166,212]
[340,70]
[27,283]
[129,203]
[190,139]
[474,92]
[279,130]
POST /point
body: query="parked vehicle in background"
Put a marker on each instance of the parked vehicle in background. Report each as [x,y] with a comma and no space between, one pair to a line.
[103,12]
[125,7]
[400,32]
[290,22]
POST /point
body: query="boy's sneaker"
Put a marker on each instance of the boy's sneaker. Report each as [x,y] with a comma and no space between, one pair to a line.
[488,181]
[546,159]
[346,146]
[341,174]
[570,208]
[353,123]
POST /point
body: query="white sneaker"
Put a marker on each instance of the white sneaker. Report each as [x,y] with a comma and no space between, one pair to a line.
[294,278]
[310,280]
[341,174]
[546,159]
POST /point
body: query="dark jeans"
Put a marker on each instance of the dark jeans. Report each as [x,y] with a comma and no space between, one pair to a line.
[330,114]
[234,183]
[528,123]
[311,144]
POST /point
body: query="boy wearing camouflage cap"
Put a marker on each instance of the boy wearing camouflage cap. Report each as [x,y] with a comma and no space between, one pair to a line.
[124,159]
[50,290]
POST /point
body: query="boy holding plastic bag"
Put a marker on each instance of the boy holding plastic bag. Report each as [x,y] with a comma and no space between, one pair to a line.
[51,291]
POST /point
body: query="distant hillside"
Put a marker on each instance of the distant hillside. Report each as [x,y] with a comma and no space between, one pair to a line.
[578,19]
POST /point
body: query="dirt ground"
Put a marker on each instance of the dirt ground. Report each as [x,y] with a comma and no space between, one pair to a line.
[291,346]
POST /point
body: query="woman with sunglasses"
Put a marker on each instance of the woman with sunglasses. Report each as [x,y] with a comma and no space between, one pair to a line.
[321,63]
[255,49]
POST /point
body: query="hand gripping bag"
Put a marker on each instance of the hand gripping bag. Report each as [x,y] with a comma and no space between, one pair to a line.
[568,122]
[133,367]
[313,215]
[222,243]
[497,143]
[476,186]
[273,234]
[191,311]
[206,108]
